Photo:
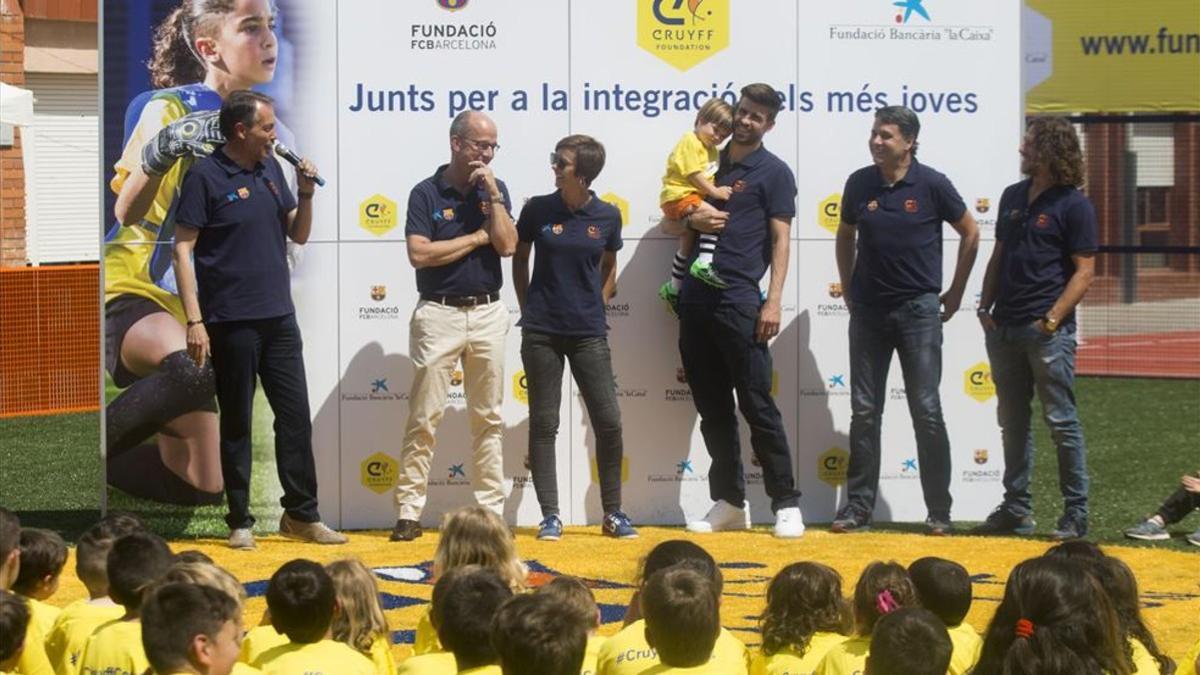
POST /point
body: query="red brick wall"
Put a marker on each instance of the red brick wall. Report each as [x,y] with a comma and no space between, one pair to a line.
[61,10]
[12,172]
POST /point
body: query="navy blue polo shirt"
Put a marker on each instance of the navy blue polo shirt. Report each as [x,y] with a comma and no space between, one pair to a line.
[439,212]
[241,250]
[899,233]
[565,295]
[1039,240]
[763,188]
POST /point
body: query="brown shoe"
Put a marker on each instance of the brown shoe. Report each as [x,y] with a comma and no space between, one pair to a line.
[317,533]
[405,530]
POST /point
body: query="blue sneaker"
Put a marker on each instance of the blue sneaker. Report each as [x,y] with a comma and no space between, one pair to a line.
[550,529]
[617,524]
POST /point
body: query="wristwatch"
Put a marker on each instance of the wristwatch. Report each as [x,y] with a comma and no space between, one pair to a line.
[1051,323]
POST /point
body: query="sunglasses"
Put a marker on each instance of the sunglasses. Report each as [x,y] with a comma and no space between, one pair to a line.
[558,161]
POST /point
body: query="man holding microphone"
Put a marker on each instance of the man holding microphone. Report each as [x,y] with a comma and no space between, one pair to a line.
[234,218]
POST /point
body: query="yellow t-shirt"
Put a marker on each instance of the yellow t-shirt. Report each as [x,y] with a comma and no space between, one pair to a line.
[240,668]
[115,649]
[482,670]
[591,654]
[258,641]
[33,659]
[790,662]
[689,156]
[381,655]
[42,614]
[137,257]
[627,653]
[326,657]
[426,640]
[75,624]
[1187,666]
[1143,662]
[437,663]
[967,645]
[848,658]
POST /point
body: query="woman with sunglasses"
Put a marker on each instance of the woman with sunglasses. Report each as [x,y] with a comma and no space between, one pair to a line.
[577,237]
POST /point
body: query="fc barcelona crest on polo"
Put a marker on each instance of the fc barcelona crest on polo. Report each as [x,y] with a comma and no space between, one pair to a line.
[593,231]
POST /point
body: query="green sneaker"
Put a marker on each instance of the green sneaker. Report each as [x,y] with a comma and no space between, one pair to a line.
[707,273]
[670,298]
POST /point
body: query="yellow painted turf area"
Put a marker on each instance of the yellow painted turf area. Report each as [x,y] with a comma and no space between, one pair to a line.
[1169,581]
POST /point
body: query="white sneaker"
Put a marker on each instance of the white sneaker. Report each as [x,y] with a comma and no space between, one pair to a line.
[789,524]
[722,517]
[242,539]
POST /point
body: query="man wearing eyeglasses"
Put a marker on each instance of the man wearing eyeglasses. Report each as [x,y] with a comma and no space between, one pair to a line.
[459,226]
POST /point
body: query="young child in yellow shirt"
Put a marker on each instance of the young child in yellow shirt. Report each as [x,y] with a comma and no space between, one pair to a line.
[191,628]
[78,620]
[540,633]
[465,599]
[629,653]
[31,657]
[135,562]
[688,181]
[944,588]
[43,556]
[909,641]
[577,597]
[302,602]
[471,535]
[882,588]
[360,622]
[14,620]
[805,616]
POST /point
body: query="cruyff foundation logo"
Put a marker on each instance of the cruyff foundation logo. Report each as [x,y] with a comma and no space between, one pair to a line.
[683,32]
[378,473]
[977,382]
[377,215]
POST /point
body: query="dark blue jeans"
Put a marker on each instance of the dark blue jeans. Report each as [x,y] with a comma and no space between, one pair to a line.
[272,351]
[720,356]
[591,365]
[1023,360]
[914,331]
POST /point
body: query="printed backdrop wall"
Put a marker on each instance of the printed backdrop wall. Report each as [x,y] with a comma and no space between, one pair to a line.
[369,88]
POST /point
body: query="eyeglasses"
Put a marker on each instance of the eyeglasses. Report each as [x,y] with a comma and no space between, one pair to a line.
[558,161]
[481,145]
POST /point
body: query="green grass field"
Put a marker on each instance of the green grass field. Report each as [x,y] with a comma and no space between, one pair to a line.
[1142,435]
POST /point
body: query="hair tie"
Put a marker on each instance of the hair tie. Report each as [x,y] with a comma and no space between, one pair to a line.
[1024,628]
[885,602]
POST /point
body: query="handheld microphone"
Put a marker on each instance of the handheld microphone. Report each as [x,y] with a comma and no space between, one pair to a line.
[294,159]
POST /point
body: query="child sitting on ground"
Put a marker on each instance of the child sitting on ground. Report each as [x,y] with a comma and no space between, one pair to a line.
[301,601]
[135,562]
[573,594]
[691,167]
[14,620]
[471,535]
[805,616]
[465,601]
[540,633]
[882,588]
[944,588]
[360,622]
[909,641]
[43,556]
[78,620]
[628,653]
[681,606]
[190,628]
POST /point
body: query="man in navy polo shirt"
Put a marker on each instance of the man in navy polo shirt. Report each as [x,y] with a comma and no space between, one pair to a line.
[723,333]
[234,217]
[459,226]
[889,256]
[1039,271]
